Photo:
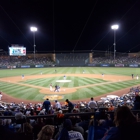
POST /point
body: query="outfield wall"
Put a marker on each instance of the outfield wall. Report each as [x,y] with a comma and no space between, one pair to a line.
[69,65]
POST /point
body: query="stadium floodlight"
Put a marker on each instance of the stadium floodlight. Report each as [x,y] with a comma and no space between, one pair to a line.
[114,27]
[33,29]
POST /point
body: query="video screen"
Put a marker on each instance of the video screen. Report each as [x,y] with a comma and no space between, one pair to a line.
[17,51]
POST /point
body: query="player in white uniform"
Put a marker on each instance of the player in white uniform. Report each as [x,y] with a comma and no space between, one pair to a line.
[102,75]
[22,76]
[51,89]
[0,95]
[64,77]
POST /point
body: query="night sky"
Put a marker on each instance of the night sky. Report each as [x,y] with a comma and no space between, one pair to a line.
[70,25]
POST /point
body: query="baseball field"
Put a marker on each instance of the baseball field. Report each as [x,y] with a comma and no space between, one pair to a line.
[80,83]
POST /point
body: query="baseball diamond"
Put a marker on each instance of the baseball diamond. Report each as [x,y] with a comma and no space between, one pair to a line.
[81,86]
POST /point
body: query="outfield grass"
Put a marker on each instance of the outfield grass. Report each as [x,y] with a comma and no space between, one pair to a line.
[81,81]
[30,93]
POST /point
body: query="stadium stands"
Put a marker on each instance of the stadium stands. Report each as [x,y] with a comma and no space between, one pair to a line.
[27,120]
[72,59]
[7,60]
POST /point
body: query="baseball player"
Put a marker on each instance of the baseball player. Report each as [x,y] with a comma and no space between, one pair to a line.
[64,77]
[51,89]
[22,76]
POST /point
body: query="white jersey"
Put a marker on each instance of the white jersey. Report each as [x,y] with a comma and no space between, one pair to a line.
[92,104]
[58,105]
[74,135]
[0,96]
[51,88]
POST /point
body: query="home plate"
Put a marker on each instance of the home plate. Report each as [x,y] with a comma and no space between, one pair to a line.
[63,81]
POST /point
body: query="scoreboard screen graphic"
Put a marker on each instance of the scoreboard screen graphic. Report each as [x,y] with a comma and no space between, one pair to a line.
[17,51]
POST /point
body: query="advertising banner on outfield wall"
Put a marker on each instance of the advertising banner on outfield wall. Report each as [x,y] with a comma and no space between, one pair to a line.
[25,66]
[4,67]
[119,65]
[105,65]
[133,65]
[39,66]
[92,65]
[11,67]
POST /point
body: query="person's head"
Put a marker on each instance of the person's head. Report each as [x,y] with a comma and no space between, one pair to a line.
[123,116]
[47,99]
[60,111]
[7,121]
[55,101]
[101,122]
[67,100]
[46,132]
[92,99]
[73,120]
[67,124]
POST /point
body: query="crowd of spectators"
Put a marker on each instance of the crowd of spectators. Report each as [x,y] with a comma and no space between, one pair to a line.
[7,60]
[118,60]
[72,56]
[103,123]
[14,61]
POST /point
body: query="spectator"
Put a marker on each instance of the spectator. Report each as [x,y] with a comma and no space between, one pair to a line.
[60,114]
[76,127]
[57,105]
[67,134]
[46,133]
[38,126]
[126,128]
[5,133]
[46,105]
[60,117]
[92,104]
[111,108]
[84,122]
[137,103]
[70,106]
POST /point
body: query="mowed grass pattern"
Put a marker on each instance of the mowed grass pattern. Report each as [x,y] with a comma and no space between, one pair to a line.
[29,93]
[75,81]
[21,92]
[100,90]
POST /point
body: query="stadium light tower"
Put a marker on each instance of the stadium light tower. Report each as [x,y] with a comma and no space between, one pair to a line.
[33,29]
[114,27]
